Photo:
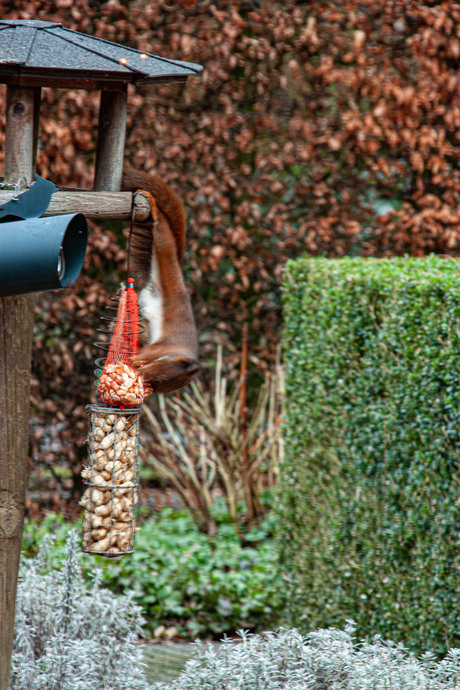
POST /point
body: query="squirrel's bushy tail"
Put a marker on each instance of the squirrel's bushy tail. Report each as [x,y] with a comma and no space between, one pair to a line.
[169,205]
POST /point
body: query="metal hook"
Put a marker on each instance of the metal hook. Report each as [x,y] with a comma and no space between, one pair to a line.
[17,188]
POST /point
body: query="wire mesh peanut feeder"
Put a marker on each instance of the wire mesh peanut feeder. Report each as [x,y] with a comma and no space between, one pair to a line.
[111,478]
[112,473]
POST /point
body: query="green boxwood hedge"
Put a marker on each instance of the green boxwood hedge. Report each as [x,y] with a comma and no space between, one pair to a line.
[369,498]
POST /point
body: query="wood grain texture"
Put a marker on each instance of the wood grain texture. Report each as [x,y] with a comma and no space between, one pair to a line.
[109,205]
[16,328]
[21,132]
[111,140]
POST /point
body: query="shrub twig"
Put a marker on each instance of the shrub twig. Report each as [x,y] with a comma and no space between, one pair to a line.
[205,445]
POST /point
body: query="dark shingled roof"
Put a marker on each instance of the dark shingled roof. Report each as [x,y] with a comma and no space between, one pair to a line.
[45,53]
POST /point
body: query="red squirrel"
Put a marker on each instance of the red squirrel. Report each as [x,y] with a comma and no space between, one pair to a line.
[169,361]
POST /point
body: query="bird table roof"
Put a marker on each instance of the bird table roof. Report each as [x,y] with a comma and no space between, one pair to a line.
[40,53]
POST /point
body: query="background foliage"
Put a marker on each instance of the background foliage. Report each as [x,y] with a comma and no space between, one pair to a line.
[209,445]
[287,660]
[328,127]
[370,486]
[187,583]
[69,634]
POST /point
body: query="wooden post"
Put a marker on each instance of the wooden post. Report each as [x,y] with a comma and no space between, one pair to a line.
[111,140]
[22,116]
[16,328]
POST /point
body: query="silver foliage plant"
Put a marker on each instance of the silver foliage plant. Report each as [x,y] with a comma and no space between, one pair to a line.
[323,660]
[69,636]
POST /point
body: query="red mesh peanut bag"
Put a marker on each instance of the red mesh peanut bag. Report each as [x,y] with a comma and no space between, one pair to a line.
[120,385]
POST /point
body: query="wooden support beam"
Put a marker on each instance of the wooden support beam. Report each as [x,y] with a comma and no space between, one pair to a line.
[16,328]
[102,205]
[22,115]
[111,140]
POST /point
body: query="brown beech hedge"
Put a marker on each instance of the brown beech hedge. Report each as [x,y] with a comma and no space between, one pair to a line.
[325,127]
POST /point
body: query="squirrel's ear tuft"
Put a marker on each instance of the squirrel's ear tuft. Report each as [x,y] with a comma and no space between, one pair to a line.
[190,366]
[164,372]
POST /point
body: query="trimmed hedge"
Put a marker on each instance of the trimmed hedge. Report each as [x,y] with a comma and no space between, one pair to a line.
[369,498]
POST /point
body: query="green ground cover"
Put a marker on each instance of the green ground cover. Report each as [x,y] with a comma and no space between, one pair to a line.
[203,586]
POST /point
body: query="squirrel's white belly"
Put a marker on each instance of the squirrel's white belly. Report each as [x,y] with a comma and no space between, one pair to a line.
[151,303]
[151,308]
